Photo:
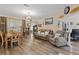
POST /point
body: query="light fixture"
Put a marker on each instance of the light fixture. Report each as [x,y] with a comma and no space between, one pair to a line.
[28,17]
[28,13]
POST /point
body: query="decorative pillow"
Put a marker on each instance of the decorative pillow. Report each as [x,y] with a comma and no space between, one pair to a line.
[38,32]
[51,32]
[46,32]
[42,33]
[57,35]
[60,32]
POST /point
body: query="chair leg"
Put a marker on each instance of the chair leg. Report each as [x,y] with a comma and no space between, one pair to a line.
[2,44]
[11,44]
[18,43]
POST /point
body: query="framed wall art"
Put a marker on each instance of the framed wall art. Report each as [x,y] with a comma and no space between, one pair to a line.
[49,21]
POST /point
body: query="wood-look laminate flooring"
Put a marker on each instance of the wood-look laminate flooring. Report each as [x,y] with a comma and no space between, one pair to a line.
[32,46]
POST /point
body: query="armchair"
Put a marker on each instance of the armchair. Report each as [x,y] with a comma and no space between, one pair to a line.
[59,39]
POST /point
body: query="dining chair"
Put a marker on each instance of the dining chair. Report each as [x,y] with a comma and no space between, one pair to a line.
[20,37]
[1,38]
[14,38]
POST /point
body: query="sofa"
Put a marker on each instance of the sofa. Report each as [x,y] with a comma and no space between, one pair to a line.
[58,39]
[41,35]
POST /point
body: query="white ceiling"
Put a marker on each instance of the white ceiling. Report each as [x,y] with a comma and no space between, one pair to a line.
[39,10]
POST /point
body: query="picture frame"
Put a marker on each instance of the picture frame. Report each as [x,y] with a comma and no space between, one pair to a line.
[49,21]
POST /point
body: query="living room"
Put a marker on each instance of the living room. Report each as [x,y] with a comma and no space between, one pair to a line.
[61,22]
[39,29]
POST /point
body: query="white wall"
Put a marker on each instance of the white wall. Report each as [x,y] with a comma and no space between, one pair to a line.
[74,18]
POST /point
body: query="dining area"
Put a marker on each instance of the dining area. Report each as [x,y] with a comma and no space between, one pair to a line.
[10,38]
[11,32]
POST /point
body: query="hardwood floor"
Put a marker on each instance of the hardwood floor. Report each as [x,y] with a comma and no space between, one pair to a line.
[32,46]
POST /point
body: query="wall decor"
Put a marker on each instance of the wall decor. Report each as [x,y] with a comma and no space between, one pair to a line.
[66,10]
[49,21]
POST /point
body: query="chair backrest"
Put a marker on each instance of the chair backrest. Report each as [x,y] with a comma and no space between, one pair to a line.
[1,38]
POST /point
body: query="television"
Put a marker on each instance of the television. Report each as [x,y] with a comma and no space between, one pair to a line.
[49,21]
[75,34]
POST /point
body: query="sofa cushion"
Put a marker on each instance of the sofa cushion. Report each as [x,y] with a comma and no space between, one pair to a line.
[61,33]
[46,32]
[51,36]
[38,32]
